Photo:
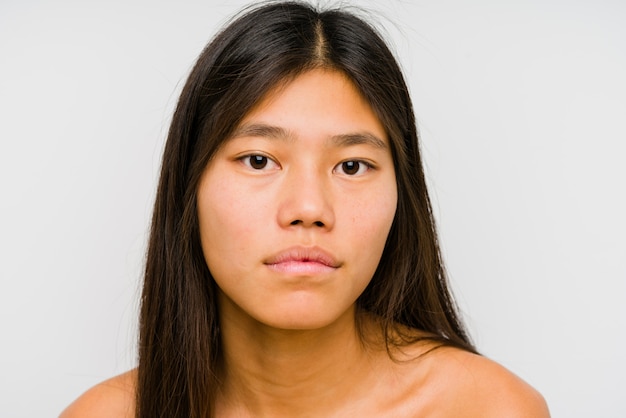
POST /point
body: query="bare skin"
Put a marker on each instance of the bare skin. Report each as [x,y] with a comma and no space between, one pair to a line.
[305,378]
[287,319]
[305,375]
[112,398]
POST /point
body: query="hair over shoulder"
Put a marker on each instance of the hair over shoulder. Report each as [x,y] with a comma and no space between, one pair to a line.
[179,336]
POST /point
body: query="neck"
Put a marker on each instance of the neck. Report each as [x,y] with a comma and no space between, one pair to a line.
[274,372]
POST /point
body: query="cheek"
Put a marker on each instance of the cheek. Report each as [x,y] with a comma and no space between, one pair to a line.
[377,208]
[231,221]
[216,222]
[371,220]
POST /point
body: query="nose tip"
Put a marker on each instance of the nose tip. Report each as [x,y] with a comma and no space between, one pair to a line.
[306,202]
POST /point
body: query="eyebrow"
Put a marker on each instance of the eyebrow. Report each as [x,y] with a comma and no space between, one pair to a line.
[366,138]
[262,130]
[276,132]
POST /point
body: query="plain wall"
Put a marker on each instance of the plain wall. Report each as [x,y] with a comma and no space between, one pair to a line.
[522,110]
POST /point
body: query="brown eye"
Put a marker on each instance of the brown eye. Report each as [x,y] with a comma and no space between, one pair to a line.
[353,167]
[258,162]
[350,167]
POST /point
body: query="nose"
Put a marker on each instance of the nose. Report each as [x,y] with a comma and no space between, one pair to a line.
[306,200]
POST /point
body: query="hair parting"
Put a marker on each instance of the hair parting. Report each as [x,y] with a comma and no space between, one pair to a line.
[180,354]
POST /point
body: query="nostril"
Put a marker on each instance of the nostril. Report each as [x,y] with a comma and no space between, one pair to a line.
[299,221]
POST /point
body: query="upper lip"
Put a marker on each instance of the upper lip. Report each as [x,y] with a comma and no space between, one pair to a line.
[303,254]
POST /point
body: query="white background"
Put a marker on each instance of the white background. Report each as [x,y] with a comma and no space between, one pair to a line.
[522,111]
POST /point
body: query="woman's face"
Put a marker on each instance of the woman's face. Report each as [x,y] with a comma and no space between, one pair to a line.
[295,208]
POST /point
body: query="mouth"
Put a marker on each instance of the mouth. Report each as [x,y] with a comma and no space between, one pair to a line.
[303,260]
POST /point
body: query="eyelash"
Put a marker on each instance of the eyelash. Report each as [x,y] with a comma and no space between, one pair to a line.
[247,161]
[360,163]
[265,160]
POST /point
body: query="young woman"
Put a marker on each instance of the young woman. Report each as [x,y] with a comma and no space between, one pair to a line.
[293,268]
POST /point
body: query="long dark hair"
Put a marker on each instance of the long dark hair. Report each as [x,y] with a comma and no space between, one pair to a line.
[179,341]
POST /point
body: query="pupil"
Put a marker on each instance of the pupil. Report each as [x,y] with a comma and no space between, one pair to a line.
[258,161]
[350,167]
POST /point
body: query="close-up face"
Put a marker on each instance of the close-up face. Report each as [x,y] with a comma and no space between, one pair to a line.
[295,208]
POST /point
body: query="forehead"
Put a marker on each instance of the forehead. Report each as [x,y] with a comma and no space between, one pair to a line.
[317,101]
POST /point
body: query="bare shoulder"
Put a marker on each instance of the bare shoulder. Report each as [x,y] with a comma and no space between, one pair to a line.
[112,398]
[475,386]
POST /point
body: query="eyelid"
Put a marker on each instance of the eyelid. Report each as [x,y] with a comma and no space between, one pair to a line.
[244,159]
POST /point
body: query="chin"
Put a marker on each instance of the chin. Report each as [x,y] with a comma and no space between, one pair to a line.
[307,317]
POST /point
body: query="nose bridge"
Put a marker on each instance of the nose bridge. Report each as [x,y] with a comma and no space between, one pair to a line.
[307,197]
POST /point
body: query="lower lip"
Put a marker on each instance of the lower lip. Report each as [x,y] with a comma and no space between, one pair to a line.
[301,267]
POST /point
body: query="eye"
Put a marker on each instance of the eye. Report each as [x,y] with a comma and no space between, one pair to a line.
[353,167]
[258,162]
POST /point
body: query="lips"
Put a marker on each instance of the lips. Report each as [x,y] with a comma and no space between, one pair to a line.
[303,260]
